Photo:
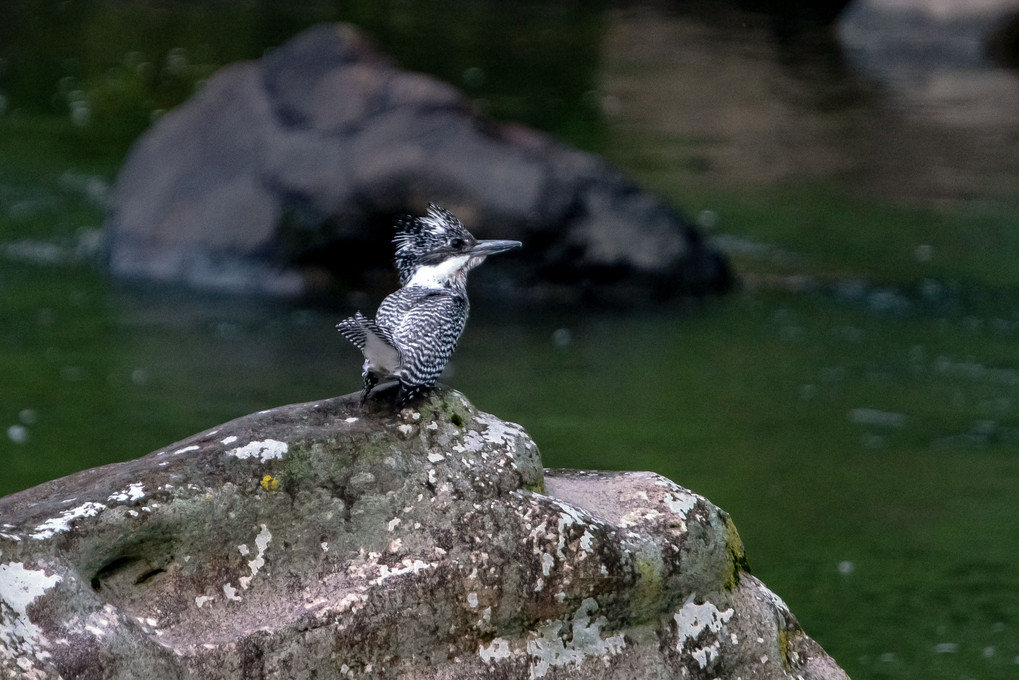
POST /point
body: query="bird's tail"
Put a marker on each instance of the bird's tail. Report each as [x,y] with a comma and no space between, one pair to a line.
[354,329]
[375,342]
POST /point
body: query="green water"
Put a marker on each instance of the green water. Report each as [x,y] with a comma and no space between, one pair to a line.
[749,400]
[855,406]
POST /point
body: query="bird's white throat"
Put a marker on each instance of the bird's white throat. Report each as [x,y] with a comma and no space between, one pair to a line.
[438,275]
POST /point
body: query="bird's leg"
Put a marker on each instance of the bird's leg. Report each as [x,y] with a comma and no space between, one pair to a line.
[409,392]
[370,381]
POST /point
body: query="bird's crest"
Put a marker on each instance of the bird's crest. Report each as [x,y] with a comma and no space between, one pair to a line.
[428,239]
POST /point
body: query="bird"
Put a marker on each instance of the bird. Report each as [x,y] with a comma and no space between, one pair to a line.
[416,328]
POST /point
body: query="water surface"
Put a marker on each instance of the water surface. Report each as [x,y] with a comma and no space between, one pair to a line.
[855,406]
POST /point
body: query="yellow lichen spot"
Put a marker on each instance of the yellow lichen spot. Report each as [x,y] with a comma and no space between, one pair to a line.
[270,483]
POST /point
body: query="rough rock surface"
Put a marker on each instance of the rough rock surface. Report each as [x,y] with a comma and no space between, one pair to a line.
[324,540]
[302,158]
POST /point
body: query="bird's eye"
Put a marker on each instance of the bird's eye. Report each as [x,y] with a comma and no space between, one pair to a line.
[457,243]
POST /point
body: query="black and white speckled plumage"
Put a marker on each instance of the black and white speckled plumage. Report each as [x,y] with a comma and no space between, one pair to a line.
[417,328]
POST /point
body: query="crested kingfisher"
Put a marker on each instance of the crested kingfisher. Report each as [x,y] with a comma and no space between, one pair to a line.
[416,328]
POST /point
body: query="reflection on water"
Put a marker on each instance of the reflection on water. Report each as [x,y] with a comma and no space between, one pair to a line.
[898,102]
[898,98]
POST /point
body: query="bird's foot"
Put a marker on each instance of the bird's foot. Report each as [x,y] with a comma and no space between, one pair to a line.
[409,393]
[370,381]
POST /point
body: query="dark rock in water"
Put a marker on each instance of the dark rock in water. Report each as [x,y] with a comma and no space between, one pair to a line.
[324,540]
[299,161]
[1003,41]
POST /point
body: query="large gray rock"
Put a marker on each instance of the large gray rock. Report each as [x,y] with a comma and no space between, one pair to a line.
[301,158]
[324,540]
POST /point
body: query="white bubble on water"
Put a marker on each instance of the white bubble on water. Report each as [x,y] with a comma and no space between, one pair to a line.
[872,441]
[474,76]
[707,219]
[17,434]
[80,109]
[71,373]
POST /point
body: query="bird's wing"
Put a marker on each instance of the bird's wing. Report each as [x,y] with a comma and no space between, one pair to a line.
[427,334]
[375,342]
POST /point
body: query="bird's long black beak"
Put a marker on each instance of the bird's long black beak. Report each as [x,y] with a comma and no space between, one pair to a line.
[486,248]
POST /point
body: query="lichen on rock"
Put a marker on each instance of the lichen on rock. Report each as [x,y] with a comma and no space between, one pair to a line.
[330,540]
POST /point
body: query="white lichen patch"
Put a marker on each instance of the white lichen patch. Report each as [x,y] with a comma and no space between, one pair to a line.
[435,457]
[265,450]
[132,493]
[62,523]
[586,542]
[351,602]
[569,517]
[473,442]
[186,449]
[774,599]
[496,650]
[680,503]
[19,637]
[499,432]
[547,648]
[408,566]
[227,441]
[639,516]
[202,599]
[692,620]
[262,541]
[97,623]
[405,429]
[351,419]
[472,600]
[231,592]
[547,562]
